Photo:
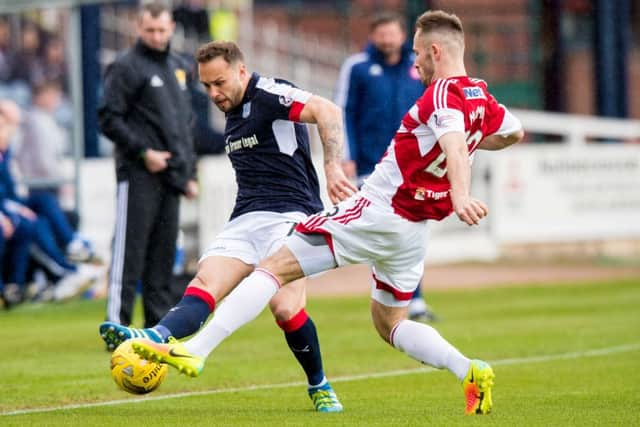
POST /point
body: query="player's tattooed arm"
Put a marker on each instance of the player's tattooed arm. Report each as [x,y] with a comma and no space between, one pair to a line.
[328,117]
[332,137]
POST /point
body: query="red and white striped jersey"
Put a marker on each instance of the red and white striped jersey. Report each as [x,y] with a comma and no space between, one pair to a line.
[412,175]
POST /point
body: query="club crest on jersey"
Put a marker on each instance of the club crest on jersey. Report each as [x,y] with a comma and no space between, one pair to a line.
[474,92]
[246,110]
[181,77]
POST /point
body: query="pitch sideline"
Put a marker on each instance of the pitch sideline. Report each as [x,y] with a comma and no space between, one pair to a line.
[502,362]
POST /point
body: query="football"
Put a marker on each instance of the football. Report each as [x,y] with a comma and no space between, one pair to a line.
[134,374]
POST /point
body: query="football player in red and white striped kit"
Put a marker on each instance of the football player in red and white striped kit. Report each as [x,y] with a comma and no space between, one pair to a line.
[425,175]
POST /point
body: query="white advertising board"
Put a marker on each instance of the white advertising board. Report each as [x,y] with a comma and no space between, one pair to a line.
[561,193]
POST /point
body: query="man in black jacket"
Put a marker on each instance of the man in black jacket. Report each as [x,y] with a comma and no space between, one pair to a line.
[146,112]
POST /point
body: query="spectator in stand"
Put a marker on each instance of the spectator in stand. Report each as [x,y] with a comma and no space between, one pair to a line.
[6,56]
[25,67]
[14,240]
[41,155]
[375,89]
[43,213]
[16,90]
[52,65]
[193,18]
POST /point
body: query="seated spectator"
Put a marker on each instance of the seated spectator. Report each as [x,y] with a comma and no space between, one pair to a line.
[41,153]
[25,65]
[43,215]
[10,88]
[193,18]
[52,65]
[14,250]
[42,204]
[6,56]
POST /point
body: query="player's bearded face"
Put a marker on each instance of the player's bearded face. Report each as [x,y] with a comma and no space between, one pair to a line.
[223,82]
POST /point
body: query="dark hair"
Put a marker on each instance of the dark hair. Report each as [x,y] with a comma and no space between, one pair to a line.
[155,9]
[386,17]
[229,51]
[438,20]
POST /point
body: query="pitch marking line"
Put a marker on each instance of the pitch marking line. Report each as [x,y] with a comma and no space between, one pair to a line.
[502,362]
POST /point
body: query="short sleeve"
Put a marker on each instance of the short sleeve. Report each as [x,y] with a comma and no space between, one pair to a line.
[283,99]
[509,123]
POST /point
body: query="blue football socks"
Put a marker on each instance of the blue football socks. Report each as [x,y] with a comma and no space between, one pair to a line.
[300,333]
[187,316]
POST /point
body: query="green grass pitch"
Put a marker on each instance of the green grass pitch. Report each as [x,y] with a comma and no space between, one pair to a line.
[563,355]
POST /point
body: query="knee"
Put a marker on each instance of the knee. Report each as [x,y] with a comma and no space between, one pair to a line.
[199,281]
[385,319]
[283,308]
[208,285]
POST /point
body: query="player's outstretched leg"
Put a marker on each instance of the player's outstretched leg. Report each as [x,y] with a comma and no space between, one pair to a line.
[114,334]
[182,320]
[173,354]
[324,398]
[477,388]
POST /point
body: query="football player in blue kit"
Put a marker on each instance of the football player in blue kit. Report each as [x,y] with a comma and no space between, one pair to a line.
[268,145]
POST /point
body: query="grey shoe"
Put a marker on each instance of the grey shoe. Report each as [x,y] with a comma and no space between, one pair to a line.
[12,295]
[419,311]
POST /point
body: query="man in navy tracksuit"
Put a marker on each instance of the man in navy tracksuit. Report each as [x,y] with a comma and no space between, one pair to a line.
[375,89]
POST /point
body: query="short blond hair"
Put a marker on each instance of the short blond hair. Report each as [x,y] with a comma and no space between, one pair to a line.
[441,22]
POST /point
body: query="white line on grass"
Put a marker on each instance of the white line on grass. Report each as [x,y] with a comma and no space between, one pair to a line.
[502,362]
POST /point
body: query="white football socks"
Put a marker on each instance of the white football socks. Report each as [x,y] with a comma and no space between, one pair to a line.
[241,306]
[426,345]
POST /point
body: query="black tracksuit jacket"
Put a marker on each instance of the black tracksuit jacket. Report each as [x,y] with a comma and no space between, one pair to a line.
[146,104]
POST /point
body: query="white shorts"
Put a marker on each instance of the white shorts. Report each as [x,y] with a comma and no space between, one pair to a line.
[253,236]
[359,231]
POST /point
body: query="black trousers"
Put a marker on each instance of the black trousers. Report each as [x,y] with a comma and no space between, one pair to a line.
[144,247]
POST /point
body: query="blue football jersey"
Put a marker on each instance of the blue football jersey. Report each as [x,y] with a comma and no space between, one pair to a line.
[269,150]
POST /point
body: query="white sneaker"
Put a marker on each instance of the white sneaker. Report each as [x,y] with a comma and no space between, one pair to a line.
[80,250]
[76,282]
